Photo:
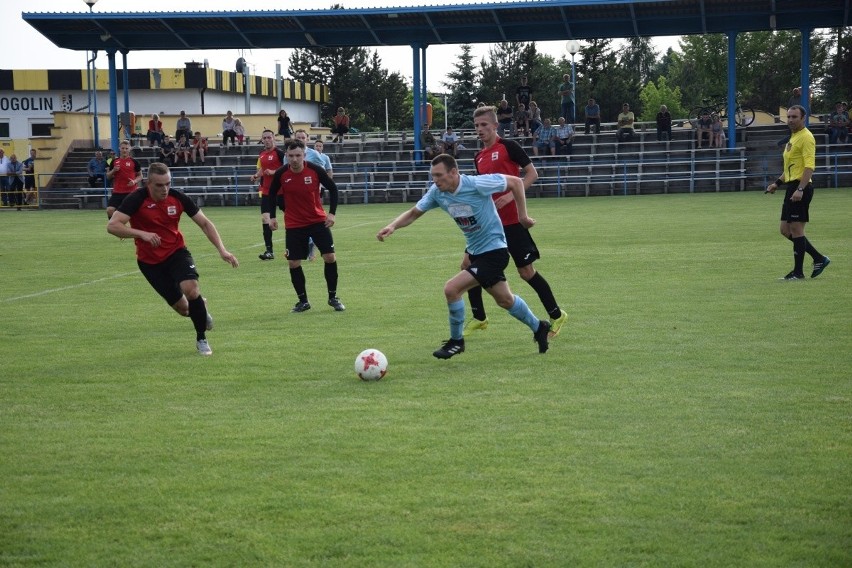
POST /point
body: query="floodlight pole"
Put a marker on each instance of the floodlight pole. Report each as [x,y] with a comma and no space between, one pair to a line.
[573,47]
[92,86]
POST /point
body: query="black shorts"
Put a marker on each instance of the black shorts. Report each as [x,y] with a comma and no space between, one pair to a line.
[489,267]
[29,182]
[521,245]
[116,199]
[796,211]
[296,241]
[264,201]
[166,277]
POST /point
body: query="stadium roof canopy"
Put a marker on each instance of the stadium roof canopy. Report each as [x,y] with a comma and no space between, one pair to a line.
[427,25]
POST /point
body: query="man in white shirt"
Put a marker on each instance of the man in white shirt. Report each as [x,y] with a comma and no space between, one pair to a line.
[4,181]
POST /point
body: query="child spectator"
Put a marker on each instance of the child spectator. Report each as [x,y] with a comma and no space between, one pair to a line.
[450,141]
[199,147]
[184,150]
[522,121]
[239,131]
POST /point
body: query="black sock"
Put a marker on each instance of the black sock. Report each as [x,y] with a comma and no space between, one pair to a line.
[267,237]
[330,270]
[798,254]
[198,315]
[815,254]
[297,277]
[476,305]
[545,294]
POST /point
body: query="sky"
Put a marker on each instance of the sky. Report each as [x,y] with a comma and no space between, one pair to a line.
[36,52]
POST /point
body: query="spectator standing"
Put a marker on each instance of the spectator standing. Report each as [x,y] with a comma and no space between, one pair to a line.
[428,144]
[450,141]
[97,170]
[838,124]
[228,132]
[625,124]
[664,124]
[799,164]
[505,116]
[239,131]
[704,127]
[795,97]
[29,176]
[299,181]
[564,137]
[285,126]
[15,174]
[523,94]
[183,126]
[341,124]
[125,173]
[153,214]
[270,159]
[199,147]
[593,116]
[4,180]
[500,156]
[168,151]
[535,116]
[155,131]
[566,101]
[544,138]
[485,241]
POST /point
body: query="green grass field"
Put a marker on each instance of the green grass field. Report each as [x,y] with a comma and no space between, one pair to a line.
[693,412]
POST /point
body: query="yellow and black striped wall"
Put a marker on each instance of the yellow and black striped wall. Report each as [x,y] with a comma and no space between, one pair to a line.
[156,79]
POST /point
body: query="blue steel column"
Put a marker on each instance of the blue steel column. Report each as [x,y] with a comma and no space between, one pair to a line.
[415,89]
[125,76]
[113,103]
[732,90]
[806,75]
[424,96]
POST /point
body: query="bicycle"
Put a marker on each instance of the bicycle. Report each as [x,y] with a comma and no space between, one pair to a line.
[743,116]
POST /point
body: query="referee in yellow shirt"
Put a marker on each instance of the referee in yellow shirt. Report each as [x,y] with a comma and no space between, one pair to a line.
[799,164]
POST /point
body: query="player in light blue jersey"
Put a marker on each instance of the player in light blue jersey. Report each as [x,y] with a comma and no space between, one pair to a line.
[468,201]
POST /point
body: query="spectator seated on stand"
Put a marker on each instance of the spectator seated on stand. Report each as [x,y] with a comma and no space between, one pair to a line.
[428,144]
[626,119]
[155,131]
[838,124]
[341,124]
[522,121]
[505,116]
[564,137]
[199,148]
[704,128]
[228,132]
[97,169]
[450,142]
[544,139]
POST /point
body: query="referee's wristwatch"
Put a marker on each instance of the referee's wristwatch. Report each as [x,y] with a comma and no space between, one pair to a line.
[800,189]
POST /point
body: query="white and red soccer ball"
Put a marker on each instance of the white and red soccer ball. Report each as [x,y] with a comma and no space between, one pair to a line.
[371,365]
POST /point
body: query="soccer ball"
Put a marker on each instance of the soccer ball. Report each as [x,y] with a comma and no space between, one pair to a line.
[371,365]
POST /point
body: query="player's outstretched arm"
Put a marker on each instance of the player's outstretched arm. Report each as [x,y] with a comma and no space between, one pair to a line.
[212,234]
[403,220]
[516,186]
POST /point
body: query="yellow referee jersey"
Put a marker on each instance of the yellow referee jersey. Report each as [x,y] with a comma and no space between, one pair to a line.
[799,153]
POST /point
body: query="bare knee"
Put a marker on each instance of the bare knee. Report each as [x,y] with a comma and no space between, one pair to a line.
[526,272]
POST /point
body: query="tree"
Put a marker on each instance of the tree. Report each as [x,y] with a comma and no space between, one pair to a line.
[601,76]
[461,100]
[500,73]
[356,80]
[655,94]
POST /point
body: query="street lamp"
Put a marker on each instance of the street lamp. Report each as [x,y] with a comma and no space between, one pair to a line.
[573,47]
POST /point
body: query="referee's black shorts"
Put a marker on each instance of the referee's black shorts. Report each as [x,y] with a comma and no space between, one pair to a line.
[796,211]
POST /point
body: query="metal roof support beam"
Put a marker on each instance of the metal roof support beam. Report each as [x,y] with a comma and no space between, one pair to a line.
[568,31]
[125,76]
[371,30]
[433,28]
[703,12]
[240,32]
[177,35]
[499,25]
[635,23]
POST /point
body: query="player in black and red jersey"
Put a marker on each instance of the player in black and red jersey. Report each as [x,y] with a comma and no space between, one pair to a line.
[125,173]
[501,156]
[153,213]
[270,159]
[299,184]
